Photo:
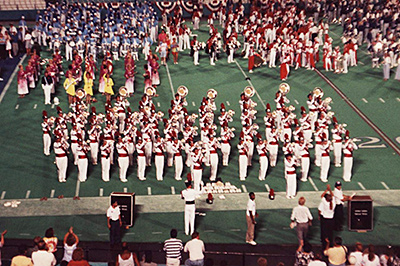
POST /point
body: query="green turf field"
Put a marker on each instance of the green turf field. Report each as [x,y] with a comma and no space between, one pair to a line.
[27,173]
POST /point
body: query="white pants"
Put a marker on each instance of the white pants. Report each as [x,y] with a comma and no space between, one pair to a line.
[197,175]
[250,152]
[47,93]
[263,167]
[159,162]
[305,167]
[273,154]
[62,164]
[291,185]
[123,163]
[94,151]
[46,144]
[148,152]
[82,169]
[189,218]
[105,169]
[141,168]
[318,152]
[74,149]
[337,151]
[214,166]
[242,167]
[347,166]
[196,57]
[68,53]
[226,150]
[178,167]
[325,163]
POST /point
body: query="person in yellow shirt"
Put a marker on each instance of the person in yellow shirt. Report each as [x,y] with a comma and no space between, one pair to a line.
[21,259]
[69,86]
[108,84]
[88,88]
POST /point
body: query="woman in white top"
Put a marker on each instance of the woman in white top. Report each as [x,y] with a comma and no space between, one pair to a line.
[370,258]
[71,241]
[127,258]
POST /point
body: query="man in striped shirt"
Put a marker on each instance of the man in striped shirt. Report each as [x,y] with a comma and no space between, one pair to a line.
[173,248]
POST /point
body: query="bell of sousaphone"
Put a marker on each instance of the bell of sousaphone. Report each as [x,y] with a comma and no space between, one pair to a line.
[123,91]
[249,91]
[284,88]
[182,91]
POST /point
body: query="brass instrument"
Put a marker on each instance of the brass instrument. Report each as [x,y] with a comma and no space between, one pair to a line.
[231,113]
[327,101]
[249,91]
[318,92]
[330,114]
[212,94]
[80,94]
[123,91]
[150,91]
[182,91]
[284,88]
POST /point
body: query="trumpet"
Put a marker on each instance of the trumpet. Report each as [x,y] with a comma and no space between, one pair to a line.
[330,114]
[231,112]
[291,108]
[292,116]
[327,101]
[212,93]
[150,91]
[253,104]
[255,127]
[123,91]
[160,114]
[232,129]
[274,114]
[195,128]
[195,116]
[318,92]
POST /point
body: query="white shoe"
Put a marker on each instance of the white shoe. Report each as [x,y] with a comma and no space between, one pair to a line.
[253,243]
[178,178]
[142,178]
[242,179]
[324,180]
[124,181]
[250,71]
[303,180]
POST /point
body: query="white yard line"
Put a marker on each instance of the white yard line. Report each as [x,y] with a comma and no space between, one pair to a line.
[313,184]
[228,103]
[361,185]
[244,188]
[28,193]
[170,81]
[35,106]
[173,190]
[156,233]
[296,101]
[384,185]
[149,190]
[267,187]
[53,191]
[398,99]
[78,186]
[382,100]
[3,195]
[101,192]
[158,104]
[16,107]
[125,189]
[193,103]
[251,84]
[364,100]
[11,79]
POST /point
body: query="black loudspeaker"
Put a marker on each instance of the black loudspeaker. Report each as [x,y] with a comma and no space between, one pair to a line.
[126,203]
[361,214]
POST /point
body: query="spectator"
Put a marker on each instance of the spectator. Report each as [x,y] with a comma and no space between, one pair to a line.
[2,242]
[147,259]
[42,257]
[317,261]
[173,248]
[389,258]
[71,241]
[2,46]
[304,254]
[339,198]
[127,258]
[337,255]
[370,258]
[357,254]
[114,223]
[21,259]
[301,215]
[14,43]
[77,258]
[195,247]
[35,247]
[262,261]
[326,210]
[51,240]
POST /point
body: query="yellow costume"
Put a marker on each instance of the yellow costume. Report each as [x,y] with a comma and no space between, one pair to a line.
[88,85]
[69,86]
[108,84]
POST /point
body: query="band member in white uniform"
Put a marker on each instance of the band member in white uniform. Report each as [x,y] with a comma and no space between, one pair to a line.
[263,158]
[326,147]
[158,149]
[290,174]
[61,150]
[123,159]
[94,138]
[189,195]
[273,146]
[305,159]
[337,132]
[348,147]
[198,159]
[105,151]
[177,146]
[226,135]
[242,147]
[83,148]
[46,127]
[213,146]
[141,159]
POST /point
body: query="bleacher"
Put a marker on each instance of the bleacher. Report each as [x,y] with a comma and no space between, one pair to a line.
[14,5]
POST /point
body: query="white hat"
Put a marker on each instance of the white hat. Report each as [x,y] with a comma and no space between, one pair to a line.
[56,101]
